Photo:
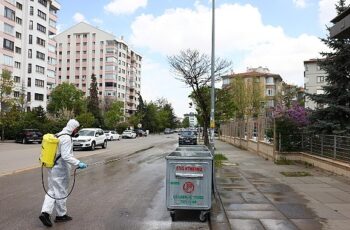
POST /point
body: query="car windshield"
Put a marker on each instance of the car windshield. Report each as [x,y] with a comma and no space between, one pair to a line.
[187,133]
[86,133]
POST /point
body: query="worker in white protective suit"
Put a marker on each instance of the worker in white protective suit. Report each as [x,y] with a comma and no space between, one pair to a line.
[59,175]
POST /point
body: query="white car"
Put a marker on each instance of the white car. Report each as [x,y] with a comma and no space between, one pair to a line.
[90,138]
[112,135]
[129,134]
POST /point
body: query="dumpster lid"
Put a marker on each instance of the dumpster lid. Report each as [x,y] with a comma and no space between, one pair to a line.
[190,155]
[192,148]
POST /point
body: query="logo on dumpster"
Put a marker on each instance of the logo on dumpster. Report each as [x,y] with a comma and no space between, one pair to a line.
[188,187]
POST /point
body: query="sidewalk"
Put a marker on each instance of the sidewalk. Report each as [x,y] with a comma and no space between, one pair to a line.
[255,195]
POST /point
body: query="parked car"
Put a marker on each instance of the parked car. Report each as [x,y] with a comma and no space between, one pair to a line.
[187,138]
[129,134]
[168,131]
[140,133]
[112,135]
[89,138]
[29,136]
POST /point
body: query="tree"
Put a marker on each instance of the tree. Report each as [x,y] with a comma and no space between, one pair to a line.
[290,94]
[6,86]
[114,115]
[186,122]
[193,69]
[66,100]
[93,104]
[333,112]
[225,107]
[86,119]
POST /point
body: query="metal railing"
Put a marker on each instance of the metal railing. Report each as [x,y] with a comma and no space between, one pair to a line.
[330,146]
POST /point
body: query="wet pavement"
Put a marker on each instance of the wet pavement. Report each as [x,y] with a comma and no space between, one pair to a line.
[255,195]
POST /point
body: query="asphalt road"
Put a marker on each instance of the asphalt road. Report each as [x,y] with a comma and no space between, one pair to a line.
[123,188]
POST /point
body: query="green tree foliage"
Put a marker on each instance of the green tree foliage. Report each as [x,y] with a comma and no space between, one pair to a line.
[194,69]
[225,107]
[93,104]
[186,122]
[66,101]
[86,120]
[247,96]
[290,95]
[333,112]
[114,115]
[6,86]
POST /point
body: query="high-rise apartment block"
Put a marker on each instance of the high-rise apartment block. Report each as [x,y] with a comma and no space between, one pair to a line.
[84,50]
[314,80]
[27,47]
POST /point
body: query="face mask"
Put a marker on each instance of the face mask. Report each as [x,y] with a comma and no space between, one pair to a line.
[75,135]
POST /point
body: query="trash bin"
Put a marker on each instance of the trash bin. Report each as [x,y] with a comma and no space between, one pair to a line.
[188,181]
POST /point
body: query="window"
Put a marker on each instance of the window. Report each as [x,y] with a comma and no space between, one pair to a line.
[43,2]
[8,29]
[40,55]
[320,79]
[18,50]
[29,69]
[10,14]
[19,5]
[51,60]
[18,21]
[31,11]
[38,97]
[28,96]
[109,84]
[84,35]
[270,92]
[15,93]
[41,28]
[17,65]
[52,48]
[40,41]
[31,25]
[18,35]
[52,23]
[30,39]
[42,15]
[50,73]
[7,60]
[39,83]
[39,69]
[29,83]
[16,79]
[8,44]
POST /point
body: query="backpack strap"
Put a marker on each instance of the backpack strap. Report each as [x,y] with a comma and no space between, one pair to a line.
[59,156]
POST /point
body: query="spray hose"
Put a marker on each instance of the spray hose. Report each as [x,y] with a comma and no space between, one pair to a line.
[43,183]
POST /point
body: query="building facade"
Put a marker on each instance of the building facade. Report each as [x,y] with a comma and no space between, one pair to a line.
[84,50]
[27,47]
[271,83]
[192,119]
[314,80]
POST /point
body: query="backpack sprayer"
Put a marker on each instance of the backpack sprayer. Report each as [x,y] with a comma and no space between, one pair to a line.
[48,158]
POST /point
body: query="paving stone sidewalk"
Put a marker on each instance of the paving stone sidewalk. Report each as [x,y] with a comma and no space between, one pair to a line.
[255,195]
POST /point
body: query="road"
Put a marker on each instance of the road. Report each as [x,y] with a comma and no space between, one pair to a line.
[123,188]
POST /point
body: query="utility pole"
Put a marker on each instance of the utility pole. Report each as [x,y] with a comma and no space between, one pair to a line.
[212,109]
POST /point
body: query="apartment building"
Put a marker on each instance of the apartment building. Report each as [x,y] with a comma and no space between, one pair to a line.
[314,79]
[272,83]
[84,50]
[192,119]
[27,47]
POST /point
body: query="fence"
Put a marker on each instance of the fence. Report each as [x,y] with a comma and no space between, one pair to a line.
[329,146]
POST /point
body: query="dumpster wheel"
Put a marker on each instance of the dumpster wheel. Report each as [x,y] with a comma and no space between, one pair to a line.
[204,216]
[172,215]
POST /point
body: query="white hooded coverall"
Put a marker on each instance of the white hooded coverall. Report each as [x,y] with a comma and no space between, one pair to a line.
[59,174]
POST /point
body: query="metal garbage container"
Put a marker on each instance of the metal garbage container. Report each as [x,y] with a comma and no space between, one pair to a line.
[188,181]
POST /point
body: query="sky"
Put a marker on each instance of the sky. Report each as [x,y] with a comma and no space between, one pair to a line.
[277,34]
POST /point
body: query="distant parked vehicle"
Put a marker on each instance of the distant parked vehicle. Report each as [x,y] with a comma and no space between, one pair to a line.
[129,134]
[112,135]
[29,136]
[168,131]
[89,138]
[140,133]
[187,138]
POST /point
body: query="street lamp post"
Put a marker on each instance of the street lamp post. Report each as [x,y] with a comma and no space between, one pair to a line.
[212,110]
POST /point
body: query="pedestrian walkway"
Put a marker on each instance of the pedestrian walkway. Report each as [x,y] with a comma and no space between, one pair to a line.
[255,195]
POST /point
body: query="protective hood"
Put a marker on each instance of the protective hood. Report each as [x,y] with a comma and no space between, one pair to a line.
[71,125]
